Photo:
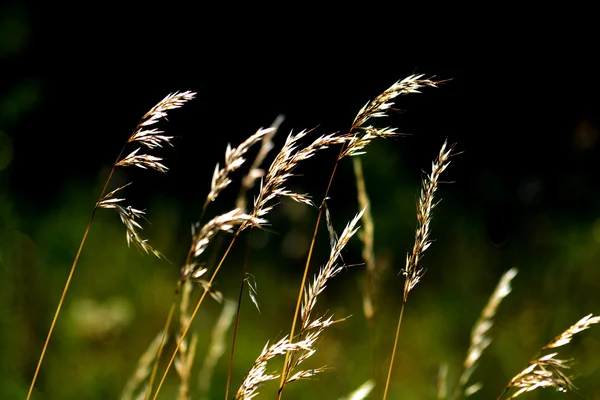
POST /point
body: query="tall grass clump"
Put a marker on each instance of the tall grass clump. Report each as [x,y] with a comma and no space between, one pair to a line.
[264,176]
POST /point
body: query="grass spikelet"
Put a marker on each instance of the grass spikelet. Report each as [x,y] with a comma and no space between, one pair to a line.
[233,160]
[413,272]
[313,327]
[545,370]
[282,167]
[360,135]
[128,216]
[258,372]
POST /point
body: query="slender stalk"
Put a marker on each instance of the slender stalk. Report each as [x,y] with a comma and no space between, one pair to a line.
[69,278]
[193,315]
[162,344]
[413,272]
[150,138]
[237,316]
[284,372]
[58,308]
[389,375]
[504,393]
[180,283]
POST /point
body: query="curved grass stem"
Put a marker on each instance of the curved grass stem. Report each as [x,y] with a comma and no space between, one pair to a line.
[237,316]
[193,315]
[284,372]
[162,343]
[69,278]
[389,374]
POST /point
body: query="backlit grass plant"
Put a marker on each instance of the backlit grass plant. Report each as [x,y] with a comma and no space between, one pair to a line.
[262,187]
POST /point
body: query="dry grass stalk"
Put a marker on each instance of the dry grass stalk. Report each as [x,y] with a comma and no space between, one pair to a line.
[272,187]
[273,184]
[354,143]
[304,345]
[413,272]
[326,272]
[134,383]
[201,237]
[128,216]
[480,339]
[258,375]
[282,167]
[159,111]
[151,139]
[545,370]
[360,135]
[313,327]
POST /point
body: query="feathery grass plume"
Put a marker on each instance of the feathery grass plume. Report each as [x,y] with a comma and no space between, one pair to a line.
[256,172]
[480,339]
[355,143]
[201,237]
[413,272]
[361,392]
[233,160]
[304,344]
[150,138]
[258,375]
[328,271]
[282,167]
[134,383]
[313,327]
[216,348]
[128,216]
[272,186]
[545,370]
[379,108]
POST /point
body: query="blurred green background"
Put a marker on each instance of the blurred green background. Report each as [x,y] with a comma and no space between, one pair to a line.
[524,194]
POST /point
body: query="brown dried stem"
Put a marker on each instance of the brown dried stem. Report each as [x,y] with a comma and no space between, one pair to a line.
[150,138]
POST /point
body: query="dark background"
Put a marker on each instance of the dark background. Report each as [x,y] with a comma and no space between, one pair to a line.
[521,107]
